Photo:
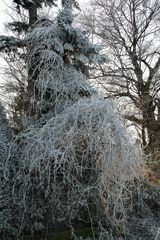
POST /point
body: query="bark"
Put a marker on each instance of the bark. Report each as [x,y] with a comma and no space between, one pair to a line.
[32,11]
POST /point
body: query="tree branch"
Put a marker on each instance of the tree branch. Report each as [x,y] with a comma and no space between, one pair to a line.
[132,118]
[10,43]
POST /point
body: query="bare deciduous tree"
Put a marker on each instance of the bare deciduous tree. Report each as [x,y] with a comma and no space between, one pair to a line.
[130,31]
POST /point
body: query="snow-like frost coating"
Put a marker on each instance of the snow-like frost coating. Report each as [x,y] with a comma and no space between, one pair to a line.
[81,152]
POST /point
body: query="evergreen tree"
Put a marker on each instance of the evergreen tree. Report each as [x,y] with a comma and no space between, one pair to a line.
[61,52]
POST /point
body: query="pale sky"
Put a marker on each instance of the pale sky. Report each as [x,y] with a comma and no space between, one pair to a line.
[3,14]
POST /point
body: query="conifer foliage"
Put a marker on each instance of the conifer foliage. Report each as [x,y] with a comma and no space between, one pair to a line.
[27,3]
[75,161]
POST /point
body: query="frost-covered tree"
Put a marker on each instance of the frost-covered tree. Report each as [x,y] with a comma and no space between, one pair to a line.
[61,52]
[75,162]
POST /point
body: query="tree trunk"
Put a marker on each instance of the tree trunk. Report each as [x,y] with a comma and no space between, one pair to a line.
[152,126]
[153,152]
[32,13]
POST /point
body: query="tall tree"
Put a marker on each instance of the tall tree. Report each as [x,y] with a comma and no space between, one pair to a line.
[130,31]
[76,160]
